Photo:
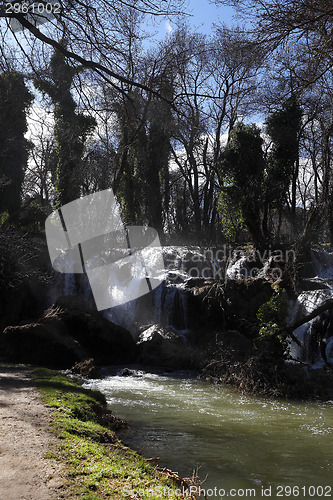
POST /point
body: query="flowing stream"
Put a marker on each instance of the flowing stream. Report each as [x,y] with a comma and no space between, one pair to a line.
[237,442]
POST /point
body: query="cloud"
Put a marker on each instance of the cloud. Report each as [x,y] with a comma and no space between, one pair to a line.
[168,27]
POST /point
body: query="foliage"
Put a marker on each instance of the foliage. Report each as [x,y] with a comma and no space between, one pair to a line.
[272,314]
[232,220]
[33,215]
[144,148]
[15,100]
[3,217]
[184,96]
[242,164]
[283,127]
[98,465]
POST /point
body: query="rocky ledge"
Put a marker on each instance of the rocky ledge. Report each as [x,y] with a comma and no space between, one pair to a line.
[67,333]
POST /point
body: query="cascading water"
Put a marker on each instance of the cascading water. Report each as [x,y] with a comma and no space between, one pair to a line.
[242,266]
[306,303]
[167,305]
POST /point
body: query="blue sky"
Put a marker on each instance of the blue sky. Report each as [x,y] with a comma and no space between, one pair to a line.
[204,14]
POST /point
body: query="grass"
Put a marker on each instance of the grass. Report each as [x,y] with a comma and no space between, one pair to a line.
[98,466]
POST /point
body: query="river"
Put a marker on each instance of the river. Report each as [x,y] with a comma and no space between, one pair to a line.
[236,442]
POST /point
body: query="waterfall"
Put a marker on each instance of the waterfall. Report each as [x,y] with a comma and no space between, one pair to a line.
[171,306]
[247,264]
[238,269]
[307,302]
[69,284]
[323,264]
[167,304]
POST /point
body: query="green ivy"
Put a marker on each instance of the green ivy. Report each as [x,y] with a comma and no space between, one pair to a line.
[3,217]
[232,219]
[272,314]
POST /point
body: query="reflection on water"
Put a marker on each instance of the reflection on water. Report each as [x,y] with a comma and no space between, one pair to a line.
[235,441]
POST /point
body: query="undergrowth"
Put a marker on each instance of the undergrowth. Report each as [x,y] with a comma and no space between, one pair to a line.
[98,465]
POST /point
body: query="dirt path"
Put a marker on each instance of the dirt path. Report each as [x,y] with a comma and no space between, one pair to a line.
[24,439]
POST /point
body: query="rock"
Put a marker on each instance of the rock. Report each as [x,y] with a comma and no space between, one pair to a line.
[41,343]
[235,342]
[67,333]
[244,297]
[310,284]
[206,306]
[198,282]
[106,342]
[329,350]
[160,346]
[74,304]
[86,368]
[126,372]
[214,306]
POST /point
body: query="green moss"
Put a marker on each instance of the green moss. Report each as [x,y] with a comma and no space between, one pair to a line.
[98,466]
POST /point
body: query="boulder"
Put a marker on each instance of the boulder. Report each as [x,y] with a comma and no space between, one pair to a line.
[160,346]
[106,342]
[205,305]
[67,333]
[244,297]
[87,368]
[215,306]
[41,343]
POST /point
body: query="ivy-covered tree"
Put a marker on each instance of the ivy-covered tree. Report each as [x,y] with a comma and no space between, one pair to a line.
[15,100]
[143,157]
[243,167]
[156,171]
[131,153]
[284,128]
[70,130]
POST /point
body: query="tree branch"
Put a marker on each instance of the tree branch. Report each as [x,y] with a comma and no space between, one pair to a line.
[99,68]
[288,330]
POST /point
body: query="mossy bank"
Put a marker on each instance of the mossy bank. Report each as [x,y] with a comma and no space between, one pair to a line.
[97,464]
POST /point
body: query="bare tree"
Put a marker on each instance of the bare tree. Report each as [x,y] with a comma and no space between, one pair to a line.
[216,82]
[41,166]
[94,29]
[279,23]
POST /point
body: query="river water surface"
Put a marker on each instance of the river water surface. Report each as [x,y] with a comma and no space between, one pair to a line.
[236,442]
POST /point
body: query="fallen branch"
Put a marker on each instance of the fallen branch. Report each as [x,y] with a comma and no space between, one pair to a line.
[324,307]
[288,330]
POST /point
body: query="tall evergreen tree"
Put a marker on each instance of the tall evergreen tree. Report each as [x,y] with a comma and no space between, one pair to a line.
[15,100]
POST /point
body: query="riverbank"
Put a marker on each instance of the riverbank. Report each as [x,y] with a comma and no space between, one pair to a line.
[234,441]
[60,443]
[25,440]
[262,373]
